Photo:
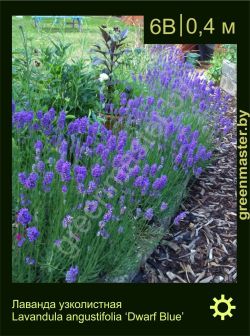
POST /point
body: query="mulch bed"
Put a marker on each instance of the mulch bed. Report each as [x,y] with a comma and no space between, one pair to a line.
[203,248]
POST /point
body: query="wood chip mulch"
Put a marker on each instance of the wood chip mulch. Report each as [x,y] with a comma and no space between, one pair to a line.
[203,248]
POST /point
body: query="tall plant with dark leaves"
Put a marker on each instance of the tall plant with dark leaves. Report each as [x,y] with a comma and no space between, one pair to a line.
[111,52]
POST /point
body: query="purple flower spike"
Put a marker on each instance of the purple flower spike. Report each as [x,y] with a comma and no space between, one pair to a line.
[179,217]
[24,217]
[107,216]
[31,181]
[57,242]
[160,183]
[64,189]
[40,166]
[96,170]
[21,242]
[48,178]
[38,146]
[71,275]
[80,173]
[67,220]
[32,233]
[149,214]
[91,206]
[121,176]
[91,187]
[153,169]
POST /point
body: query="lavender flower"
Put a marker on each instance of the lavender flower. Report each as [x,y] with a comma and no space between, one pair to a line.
[149,214]
[20,240]
[61,120]
[89,140]
[123,98]
[39,114]
[38,146]
[109,206]
[160,183]
[117,160]
[91,187]
[197,171]
[67,220]
[21,119]
[99,148]
[63,149]
[65,171]
[48,178]
[40,166]
[159,103]
[179,217]
[24,217]
[91,206]
[135,171]
[141,182]
[71,275]
[57,242]
[64,189]
[22,178]
[80,173]
[111,143]
[146,170]
[32,233]
[190,161]
[31,181]
[150,100]
[153,169]
[121,176]
[107,216]
[96,171]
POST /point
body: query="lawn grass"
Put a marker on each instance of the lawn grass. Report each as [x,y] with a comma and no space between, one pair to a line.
[81,41]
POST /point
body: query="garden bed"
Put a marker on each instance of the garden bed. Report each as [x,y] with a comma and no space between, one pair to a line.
[91,202]
[203,248]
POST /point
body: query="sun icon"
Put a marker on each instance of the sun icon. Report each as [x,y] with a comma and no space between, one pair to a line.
[222,302]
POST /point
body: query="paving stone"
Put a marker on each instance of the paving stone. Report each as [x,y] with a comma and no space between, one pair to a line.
[229,69]
[228,85]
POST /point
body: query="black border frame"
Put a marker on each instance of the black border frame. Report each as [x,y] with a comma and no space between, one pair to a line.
[193,299]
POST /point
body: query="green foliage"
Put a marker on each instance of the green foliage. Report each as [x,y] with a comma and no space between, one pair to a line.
[46,77]
[229,52]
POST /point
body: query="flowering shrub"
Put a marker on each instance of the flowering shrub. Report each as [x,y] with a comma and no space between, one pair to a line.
[91,202]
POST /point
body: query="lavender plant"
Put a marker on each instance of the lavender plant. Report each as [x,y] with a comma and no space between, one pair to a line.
[89,202]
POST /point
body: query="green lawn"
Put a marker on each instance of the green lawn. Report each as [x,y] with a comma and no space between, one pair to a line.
[81,41]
